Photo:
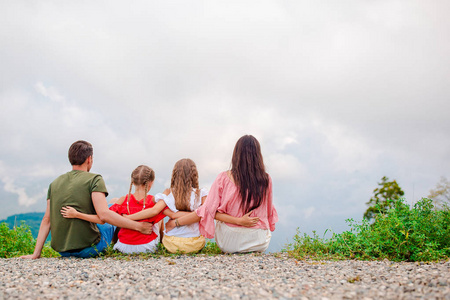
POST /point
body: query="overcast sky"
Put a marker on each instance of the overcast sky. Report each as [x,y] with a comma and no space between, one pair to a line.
[339,94]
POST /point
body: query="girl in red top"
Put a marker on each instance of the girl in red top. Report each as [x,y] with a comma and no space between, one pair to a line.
[131,241]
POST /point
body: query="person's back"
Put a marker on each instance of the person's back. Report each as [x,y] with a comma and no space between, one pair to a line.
[191,230]
[85,192]
[246,189]
[185,196]
[74,189]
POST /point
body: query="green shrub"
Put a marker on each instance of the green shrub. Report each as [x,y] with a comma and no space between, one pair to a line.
[15,242]
[403,233]
[19,241]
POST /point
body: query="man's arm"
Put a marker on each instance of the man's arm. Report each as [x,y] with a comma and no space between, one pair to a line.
[44,230]
[71,213]
[108,216]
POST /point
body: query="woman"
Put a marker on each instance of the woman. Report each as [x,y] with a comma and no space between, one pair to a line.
[242,195]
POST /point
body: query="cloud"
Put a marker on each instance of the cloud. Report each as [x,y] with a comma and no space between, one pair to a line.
[338,94]
[50,93]
[286,167]
[10,186]
[22,197]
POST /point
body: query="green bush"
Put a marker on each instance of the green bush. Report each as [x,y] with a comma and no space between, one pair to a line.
[19,241]
[15,242]
[403,233]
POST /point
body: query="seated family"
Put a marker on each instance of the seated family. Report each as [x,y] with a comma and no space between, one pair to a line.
[238,210]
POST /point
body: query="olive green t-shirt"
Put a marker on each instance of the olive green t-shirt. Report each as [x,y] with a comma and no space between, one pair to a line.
[74,189]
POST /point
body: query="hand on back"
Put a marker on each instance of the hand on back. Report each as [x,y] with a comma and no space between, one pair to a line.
[146,227]
[68,212]
[170,225]
[248,221]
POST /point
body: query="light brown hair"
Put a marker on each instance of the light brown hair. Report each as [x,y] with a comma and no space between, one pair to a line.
[142,175]
[184,179]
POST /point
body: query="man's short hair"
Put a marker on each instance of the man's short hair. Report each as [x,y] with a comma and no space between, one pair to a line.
[79,152]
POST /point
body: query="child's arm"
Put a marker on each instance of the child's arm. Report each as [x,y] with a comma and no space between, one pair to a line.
[147,213]
[71,213]
[176,215]
[179,213]
[245,220]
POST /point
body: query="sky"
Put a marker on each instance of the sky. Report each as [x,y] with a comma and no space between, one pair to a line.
[339,94]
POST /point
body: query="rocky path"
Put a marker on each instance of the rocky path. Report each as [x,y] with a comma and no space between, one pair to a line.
[249,276]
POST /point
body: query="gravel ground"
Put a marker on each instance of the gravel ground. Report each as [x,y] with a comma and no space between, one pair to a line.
[248,276]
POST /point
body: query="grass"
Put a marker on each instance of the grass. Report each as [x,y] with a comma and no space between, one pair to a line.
[19,241]
[210,248]
[404,233]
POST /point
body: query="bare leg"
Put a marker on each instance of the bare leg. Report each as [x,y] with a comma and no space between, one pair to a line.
[161,229]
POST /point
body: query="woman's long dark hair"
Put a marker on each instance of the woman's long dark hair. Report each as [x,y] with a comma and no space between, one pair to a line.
[248,171]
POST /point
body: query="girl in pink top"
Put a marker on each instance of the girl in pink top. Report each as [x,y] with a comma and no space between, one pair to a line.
[241,201]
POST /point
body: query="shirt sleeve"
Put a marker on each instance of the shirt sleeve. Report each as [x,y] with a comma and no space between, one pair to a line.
[272,214]
[207,212]
[49,191]
[160,196]
[203,193]
[98,185]
[120,208]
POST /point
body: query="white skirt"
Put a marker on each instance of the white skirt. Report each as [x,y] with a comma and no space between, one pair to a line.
[142,248]
[241,239]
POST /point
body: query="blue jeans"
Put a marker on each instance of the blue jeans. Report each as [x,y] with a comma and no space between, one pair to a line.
[106,232]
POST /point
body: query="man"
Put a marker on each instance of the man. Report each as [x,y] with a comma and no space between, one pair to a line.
[86,192]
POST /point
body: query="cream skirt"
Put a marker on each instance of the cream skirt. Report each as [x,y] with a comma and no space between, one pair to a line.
[142,248]
[241,239]
[176,244]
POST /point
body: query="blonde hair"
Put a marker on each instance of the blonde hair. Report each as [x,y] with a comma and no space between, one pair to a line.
[184,179]
[142,175]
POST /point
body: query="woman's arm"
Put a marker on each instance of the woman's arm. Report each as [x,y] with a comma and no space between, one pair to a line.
[245,220]
[147,213]
[175,215]
[71,213]
[189,218]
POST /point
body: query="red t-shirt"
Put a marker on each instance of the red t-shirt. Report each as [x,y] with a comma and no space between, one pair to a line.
[133,237]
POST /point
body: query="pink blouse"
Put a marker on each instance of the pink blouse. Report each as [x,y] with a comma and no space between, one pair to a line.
[224,197]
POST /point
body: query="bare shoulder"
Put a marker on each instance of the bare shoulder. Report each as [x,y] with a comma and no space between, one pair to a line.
[120,200]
